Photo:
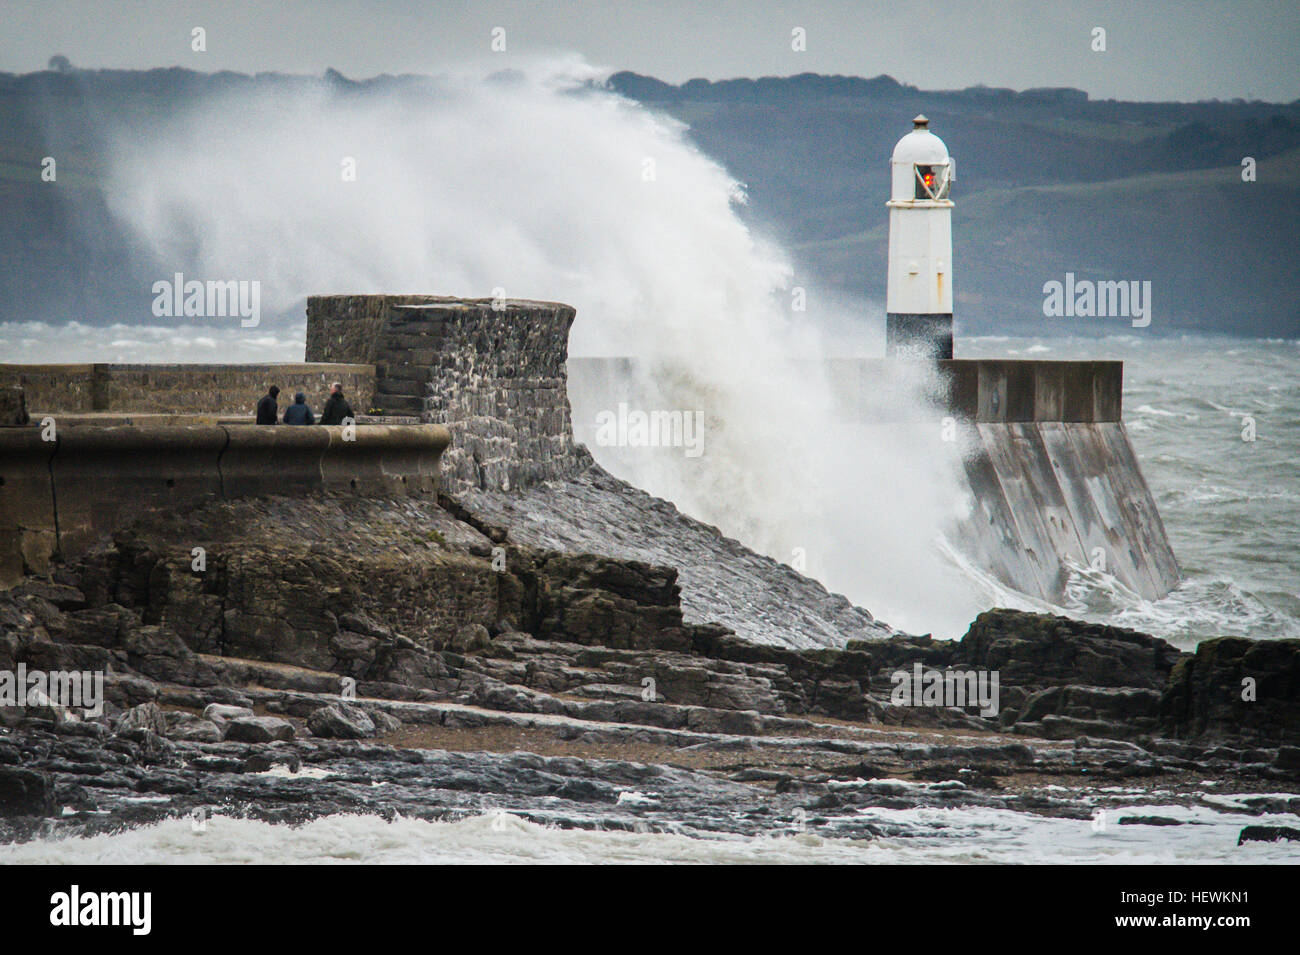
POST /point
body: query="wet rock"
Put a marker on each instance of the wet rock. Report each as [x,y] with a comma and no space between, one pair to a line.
[740,723]
[408,666]
[1288,758]
[217,764]
[127,690]
[61,596]
[191,728]
[764,601]
[1233,687]
[1033,649]
[840,697]
[227,695]
[222,713]
[385,723]
[471,638]
[1268,834]
[267,759]
[25,793]
[157,652]
[39,706]
[341,721]
[355,652]
[93,730]
[400,596]
[51,657]
[147,716]
[100,626]
[11,648]
[258,729]
[1149,821]
[1060,712]
[585,598]
[142,744]
[365,624]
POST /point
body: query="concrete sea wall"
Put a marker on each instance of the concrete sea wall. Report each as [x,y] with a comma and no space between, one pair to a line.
[1051,494]
[63,495]
[1054,480]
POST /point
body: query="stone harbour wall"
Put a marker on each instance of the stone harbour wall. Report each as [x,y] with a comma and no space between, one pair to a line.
[182,388]
[492,372]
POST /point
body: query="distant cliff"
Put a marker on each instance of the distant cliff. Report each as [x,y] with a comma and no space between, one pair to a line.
[1048,182]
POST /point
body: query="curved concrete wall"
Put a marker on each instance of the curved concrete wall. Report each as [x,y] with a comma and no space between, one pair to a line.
[62,496]
[1055,481]
[1050,494]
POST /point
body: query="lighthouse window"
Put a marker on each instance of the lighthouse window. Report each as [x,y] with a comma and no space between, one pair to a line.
[932,182]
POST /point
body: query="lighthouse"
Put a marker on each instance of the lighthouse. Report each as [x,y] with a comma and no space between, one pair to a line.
[918,300]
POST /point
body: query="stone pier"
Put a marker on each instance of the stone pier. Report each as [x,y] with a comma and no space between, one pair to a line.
[1055,483]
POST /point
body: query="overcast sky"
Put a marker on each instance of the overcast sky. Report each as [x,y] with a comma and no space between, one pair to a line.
[1155,49]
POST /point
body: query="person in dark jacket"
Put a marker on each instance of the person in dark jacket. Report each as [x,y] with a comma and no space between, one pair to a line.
[336,407]
[298,412]
[268,412]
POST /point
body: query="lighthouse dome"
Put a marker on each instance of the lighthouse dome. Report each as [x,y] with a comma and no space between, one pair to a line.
[920,146]
[922,169]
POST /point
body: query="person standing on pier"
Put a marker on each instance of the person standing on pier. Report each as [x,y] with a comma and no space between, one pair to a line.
[267,409]
[336,407]
[299,412]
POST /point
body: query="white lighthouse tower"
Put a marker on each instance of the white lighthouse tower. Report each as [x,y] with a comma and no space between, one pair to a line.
[918,303]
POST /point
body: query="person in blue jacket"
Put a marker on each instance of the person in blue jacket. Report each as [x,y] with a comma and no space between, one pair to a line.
[298,412]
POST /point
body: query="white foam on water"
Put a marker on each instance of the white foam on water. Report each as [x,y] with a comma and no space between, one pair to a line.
[936,836]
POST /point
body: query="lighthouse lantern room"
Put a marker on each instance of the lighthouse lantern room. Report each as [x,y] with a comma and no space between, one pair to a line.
[918,302]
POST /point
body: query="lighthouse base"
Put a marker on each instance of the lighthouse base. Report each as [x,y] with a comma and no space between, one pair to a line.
[918,335]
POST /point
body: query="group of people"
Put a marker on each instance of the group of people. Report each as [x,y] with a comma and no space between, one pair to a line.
[335,411]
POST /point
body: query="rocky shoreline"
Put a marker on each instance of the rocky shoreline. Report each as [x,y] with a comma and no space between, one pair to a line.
[440,660]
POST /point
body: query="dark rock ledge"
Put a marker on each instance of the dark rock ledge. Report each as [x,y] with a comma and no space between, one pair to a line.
[491,670]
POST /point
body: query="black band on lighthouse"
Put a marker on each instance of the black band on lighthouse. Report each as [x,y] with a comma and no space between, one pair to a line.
[919,336]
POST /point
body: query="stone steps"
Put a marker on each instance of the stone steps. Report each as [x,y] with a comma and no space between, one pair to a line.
[409,347]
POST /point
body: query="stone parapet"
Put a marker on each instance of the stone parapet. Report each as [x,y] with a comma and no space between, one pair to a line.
[182,388]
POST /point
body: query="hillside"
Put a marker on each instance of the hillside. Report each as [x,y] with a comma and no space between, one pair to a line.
[1198,235]
[1048,182]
